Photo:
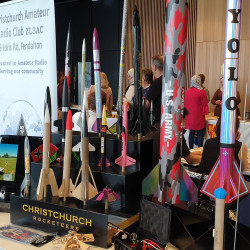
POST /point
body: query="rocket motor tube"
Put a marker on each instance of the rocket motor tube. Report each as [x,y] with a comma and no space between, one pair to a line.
[46,146]
[121,71]
[85,168]
[220,195]
[67,161]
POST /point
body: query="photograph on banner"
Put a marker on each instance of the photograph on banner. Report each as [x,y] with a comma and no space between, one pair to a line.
[27,65]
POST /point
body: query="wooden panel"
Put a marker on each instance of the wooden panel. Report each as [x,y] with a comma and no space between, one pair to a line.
[210,46]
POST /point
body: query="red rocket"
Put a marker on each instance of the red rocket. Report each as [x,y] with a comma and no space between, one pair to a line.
[125,160]
[67,185]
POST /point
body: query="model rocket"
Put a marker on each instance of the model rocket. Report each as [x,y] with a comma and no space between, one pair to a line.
[125,160]
[37,154]
[65,109]
[47,176]
[85,191]
[68,59]
[67,185]
[104,162]
[83,67]
[97,77]
[121,69]
[26,181]
[137,102]
[172,100]
[226,174]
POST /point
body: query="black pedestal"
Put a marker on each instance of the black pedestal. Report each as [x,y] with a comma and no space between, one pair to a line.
[128,186]
[190,231]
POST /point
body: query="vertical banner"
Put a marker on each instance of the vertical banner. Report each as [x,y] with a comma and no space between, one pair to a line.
[27,65]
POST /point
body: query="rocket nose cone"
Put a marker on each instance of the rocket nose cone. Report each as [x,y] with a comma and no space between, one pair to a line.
[69,121]
[95,39]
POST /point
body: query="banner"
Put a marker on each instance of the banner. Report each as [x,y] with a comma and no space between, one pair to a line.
[27,65]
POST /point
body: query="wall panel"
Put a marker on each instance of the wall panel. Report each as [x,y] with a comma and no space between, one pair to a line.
[210,45]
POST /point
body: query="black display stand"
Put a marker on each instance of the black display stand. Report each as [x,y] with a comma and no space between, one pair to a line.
[194,230]
[128,186]
[33,213]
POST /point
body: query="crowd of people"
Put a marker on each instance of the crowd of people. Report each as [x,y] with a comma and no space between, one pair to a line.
[196,102]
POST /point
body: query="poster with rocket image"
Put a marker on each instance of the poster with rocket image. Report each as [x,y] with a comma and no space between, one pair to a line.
[27,65]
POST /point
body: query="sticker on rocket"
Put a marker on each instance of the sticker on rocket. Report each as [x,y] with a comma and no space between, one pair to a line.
[225,174]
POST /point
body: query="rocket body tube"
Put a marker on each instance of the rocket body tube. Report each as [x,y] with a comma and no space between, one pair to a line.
[173,82]
[68,58]
[83,66]
[85,155]
[121,69]
[137,69]
[125,160]
[65,109]
[97,78]
[67,155]
[27,164]
[46,139]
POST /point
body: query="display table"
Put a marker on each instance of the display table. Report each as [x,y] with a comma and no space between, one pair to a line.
[244,129]
[6,244]
[210,130]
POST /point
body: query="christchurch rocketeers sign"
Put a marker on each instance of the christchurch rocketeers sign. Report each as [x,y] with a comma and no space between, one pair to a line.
[27,64]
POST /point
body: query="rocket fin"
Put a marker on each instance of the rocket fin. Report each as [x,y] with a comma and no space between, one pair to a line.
[71,187]
[77,193]
[41,184]
[23,185]
[212,183]
[91,148]
[78,147]
[61,189]
[125,161]
[108,164]
[53,183]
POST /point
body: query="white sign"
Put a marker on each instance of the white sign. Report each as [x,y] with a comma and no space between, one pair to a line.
[27,65]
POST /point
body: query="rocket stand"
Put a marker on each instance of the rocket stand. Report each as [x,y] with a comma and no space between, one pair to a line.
[51,214]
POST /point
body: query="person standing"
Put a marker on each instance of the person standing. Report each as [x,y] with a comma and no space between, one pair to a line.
[203,78]
[154,92]
[217,99]
[197,105]
[146,80]
[130,91]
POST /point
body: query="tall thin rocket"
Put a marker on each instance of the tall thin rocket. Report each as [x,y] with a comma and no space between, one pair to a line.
[83,67]
[25,186]
[65,109]
[225,174]
[137,70]
[97,77]
[68,59]
[172,100]
[121,69]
